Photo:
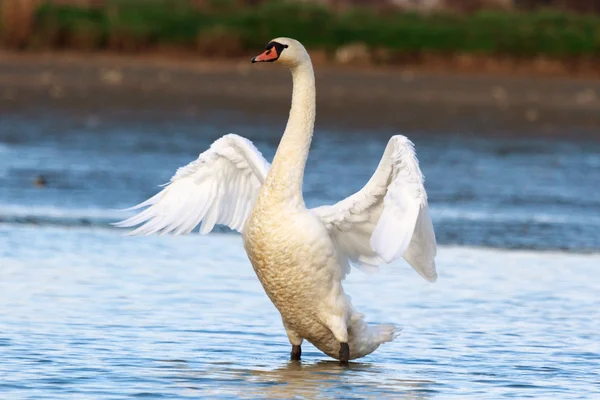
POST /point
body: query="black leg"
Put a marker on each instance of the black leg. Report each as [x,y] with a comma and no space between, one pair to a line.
[344,353]
[296,352]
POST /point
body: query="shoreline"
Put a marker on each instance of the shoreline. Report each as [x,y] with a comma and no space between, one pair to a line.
[452,65]
[348,96]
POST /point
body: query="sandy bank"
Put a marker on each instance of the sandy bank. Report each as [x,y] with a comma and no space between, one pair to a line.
[379,98]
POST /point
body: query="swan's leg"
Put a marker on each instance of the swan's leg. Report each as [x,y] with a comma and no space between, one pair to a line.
[344,353]
[296,340]
[338,327]
[296,352]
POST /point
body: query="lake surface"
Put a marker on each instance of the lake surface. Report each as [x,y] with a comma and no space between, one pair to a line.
[509,192]
[87,313]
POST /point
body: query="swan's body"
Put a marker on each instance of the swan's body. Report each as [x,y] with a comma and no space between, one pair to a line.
[301,256]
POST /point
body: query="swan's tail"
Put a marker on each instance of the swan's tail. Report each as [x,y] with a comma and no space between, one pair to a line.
[367,338]
[384,333]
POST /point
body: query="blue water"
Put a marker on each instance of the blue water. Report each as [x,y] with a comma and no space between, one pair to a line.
[87,313]
[533,193]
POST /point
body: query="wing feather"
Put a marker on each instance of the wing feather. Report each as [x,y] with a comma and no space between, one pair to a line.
[389,217]
[220,187]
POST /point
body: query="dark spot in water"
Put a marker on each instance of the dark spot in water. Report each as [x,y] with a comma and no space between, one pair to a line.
[148,395]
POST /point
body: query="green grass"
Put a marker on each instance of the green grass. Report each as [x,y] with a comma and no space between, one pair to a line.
[128,25]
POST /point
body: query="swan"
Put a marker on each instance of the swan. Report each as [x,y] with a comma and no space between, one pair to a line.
[301,256]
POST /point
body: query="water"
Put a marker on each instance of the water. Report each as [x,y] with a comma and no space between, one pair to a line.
[528,193]
[86,313]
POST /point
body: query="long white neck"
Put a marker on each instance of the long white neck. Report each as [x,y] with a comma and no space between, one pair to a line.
[284,180]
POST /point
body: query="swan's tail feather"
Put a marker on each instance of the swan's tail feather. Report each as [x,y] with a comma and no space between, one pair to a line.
[384,333]
[365,338]
[371,337]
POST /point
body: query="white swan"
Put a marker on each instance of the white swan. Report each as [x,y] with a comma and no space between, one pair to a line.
[301,256]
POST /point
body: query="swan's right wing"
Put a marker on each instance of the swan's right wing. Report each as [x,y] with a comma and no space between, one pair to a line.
[220,187]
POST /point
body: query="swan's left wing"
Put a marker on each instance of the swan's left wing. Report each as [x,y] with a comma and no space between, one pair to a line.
[388,218]
[220,187]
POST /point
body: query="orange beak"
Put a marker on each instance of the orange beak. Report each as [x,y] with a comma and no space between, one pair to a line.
[268,55]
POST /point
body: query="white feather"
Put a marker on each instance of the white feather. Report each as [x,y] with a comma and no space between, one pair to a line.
[220,186]
[395,201]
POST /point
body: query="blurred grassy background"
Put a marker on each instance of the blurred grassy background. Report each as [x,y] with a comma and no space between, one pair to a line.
[376,32]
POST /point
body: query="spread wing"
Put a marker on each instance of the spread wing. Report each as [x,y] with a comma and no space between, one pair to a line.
[220,187]
[388,218]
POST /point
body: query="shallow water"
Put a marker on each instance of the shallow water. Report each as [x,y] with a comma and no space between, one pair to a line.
[510,192]
[89,314]
[86,313]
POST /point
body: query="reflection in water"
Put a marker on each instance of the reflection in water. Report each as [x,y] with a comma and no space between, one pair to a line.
[327,378]
[323,379]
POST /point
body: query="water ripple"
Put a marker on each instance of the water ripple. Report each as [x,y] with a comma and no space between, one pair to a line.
[90,314]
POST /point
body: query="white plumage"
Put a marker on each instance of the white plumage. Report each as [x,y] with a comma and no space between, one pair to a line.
[377,224]
[220,187]
[300,255]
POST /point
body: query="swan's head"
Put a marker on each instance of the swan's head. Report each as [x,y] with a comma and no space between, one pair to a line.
[285,51]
